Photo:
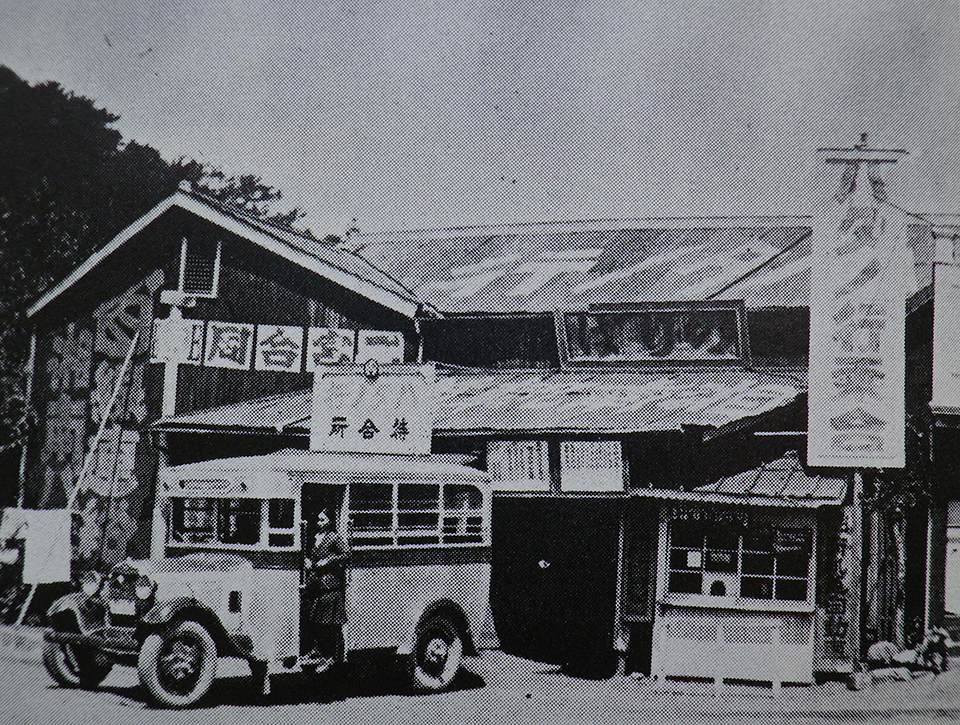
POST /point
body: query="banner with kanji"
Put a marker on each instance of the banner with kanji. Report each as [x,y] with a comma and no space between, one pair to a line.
[387,411]
[861,274]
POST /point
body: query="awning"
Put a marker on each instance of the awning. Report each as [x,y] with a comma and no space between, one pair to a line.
[566,402]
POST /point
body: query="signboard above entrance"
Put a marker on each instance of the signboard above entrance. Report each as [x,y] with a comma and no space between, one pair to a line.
[282,348]
[373,409]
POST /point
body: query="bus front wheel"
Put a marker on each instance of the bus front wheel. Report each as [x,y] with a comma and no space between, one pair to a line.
[177,665]
[437,655]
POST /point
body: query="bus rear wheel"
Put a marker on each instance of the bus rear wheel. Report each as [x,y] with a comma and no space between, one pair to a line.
[436,656]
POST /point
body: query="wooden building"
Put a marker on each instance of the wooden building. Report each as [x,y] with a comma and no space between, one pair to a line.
[620,381]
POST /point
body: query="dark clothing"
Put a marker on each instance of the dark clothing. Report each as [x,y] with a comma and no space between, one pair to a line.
[326,579]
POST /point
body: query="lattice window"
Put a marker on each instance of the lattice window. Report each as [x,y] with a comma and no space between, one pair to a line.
[591,466]
[199,268]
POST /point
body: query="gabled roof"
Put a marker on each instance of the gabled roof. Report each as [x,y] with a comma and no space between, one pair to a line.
[527,401]
[781,478]
[335,264]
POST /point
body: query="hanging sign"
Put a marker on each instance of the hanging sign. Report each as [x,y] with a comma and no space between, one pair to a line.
[229,345]
[946,338]
[861,274]
[328,346]
[279,347]
[373,409]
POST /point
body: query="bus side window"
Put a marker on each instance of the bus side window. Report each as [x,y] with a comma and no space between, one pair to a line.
[280,531]
[462,514]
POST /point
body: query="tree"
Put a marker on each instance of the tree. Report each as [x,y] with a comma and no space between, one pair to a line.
[70,183]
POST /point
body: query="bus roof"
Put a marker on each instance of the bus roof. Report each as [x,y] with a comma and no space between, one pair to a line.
[340,466]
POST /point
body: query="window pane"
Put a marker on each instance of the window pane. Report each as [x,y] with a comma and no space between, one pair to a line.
[281,540]
[793,564]
[685,582]
[371,497]
[725,561]
[281,513]
[686,559]
[194,520]
[462,496]
[372,522]
[757,563]
[686,534]
[758,540]
[415,496]
[418,522]
[240,521]
[756,587]
[792,590]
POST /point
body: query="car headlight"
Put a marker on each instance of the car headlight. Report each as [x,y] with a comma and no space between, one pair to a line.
[145,587]
[90,583]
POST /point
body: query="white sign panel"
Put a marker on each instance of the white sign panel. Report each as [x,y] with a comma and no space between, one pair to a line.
[946,337]
[861,272]
[46,542]
[386,347]
[229,345]
[178,341]
[329,346]
[357,411]
[279,348]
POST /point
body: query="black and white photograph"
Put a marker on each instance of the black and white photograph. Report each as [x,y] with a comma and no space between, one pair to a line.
[482,361]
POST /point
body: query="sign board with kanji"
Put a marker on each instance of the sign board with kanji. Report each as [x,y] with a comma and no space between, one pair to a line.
[329,346]
[279,348]
[178,340]
[386,347]
[229,345]
[373,409]
[861,274]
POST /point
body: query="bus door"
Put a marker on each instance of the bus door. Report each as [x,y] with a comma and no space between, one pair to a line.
[314,499]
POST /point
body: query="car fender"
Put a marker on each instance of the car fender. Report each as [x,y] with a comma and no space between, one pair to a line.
[171,610]
[68,602]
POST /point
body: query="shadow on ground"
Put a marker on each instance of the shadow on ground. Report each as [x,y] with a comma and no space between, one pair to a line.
[372,678]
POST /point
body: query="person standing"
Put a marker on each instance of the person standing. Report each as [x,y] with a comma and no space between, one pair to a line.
[326,582]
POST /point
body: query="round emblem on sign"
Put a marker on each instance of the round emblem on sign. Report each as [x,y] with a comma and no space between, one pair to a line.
[371,368]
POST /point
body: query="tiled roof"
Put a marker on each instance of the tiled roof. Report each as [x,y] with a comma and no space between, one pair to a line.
[487,402]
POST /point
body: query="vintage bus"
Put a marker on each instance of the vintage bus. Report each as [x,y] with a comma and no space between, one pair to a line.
[226,576]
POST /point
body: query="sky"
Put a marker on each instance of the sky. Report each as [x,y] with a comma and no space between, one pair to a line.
[410,114]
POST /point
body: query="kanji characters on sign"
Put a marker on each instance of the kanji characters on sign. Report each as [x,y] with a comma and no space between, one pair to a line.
[329,346]
[279,347]
[229,345]
[386,347]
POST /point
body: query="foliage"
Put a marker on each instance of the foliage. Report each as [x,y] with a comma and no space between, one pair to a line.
[71,183]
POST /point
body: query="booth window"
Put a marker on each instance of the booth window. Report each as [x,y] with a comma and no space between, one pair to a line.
[716,558]
[591,466]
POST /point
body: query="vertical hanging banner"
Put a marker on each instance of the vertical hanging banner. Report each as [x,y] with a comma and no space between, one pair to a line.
[369,409]
[861,275]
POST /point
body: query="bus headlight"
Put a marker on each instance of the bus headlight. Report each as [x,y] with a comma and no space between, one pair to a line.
[145,587]
[90,583]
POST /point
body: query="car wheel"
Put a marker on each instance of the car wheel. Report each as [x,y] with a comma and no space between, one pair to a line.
[436,656]
[73,666]
[177,665]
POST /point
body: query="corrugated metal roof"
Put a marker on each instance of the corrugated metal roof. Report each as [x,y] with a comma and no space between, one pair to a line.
[594,401]
[782,478]
[537,270]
